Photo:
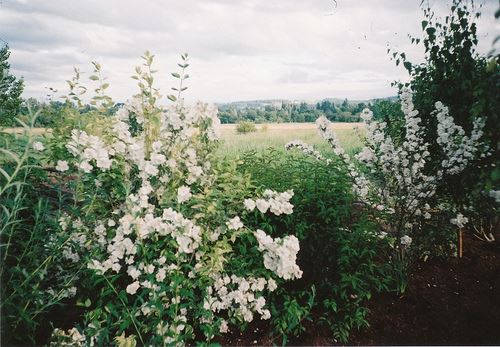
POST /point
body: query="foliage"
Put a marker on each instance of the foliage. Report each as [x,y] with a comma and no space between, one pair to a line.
[11,89]
[245,127]
[389,111]
[339,246]
[35,279]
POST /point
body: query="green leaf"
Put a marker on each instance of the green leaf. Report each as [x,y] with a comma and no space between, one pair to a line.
[431,31]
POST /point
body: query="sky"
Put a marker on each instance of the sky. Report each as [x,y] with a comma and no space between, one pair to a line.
[239,49]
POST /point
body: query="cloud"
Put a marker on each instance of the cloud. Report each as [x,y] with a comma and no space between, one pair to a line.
[244,49]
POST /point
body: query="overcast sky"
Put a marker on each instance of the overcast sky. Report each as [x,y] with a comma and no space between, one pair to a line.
[239,49]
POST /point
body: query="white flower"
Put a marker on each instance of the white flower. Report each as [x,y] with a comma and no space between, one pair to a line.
[495,194]
[132,288]
[224,328]
[406,240]
[271,285]
[62,165]
[133,272]
[262,205]
[460,220]
[249,204]
[234,223]
[160,275]
[38,146]
[266,314]
[183,194]
[85,166]
[280,255]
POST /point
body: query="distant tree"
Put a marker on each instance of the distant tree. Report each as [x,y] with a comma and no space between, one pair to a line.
[344,107]
[11,90]
[303,108]
[358,108]
[328,108]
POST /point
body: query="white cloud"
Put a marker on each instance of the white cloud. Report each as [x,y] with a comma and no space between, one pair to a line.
[246,49]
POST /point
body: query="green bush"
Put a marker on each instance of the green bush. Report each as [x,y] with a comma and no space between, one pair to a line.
[245,127]
[339,247]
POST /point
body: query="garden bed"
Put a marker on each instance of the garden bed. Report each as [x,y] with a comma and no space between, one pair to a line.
[453,303]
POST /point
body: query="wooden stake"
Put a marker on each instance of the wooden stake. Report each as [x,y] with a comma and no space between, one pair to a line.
[460,242]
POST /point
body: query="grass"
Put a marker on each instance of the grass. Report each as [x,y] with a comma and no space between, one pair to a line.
[34,131]
[277,135]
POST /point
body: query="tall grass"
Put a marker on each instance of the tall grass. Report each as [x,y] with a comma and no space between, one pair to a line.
[235,144]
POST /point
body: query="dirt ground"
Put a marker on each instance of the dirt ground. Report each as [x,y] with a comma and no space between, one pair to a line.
[454,303]
[446,303]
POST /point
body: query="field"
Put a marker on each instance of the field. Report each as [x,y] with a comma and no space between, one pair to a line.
[277,135]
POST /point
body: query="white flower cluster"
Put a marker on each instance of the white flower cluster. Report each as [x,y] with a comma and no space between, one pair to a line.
[62,165]
[89,148]
[459,148]
[183,194]
[280,255]
[360,182]
[495,194]
[121,247]
[460,220]
[38,146]
[307,149]
[406,240]
[70,338]
[276,203]
[241,296]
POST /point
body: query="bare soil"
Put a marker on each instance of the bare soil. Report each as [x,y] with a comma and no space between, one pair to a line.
[453,302]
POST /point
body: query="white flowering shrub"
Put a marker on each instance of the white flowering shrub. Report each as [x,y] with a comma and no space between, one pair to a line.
[395,178]
[169,258]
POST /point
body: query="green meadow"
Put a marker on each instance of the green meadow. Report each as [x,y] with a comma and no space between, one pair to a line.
[277,135]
